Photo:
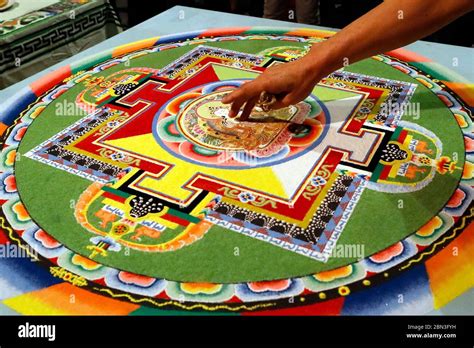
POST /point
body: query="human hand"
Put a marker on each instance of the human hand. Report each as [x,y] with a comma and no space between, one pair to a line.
[290,83]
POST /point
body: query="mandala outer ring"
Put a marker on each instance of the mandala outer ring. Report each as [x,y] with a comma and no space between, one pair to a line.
[30,93]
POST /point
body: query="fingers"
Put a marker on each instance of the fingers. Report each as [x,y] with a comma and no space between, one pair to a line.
[240,96]
[248,109]
[286,100]
[236,99]
[236,105]
[249,93]
[291,98]
[229,98]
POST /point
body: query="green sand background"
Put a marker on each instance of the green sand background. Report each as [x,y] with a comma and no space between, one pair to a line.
[377,222]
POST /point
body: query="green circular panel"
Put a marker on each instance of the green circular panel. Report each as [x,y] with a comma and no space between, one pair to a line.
[374,178]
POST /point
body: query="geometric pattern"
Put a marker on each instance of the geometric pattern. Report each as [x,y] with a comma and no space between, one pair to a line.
[93,148]
[371,282]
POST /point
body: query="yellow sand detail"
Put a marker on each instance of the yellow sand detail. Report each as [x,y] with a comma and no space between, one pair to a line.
[173,184]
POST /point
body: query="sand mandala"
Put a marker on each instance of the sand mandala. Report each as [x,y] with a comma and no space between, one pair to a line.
[126,176]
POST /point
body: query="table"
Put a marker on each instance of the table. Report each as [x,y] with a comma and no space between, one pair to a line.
[182,19]
[35,35]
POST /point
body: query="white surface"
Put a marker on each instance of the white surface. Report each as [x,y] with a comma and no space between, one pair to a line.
[23,7]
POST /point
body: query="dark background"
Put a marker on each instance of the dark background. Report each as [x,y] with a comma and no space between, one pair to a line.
[333,13]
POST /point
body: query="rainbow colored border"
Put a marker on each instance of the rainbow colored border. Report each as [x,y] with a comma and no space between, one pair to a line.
[442,278]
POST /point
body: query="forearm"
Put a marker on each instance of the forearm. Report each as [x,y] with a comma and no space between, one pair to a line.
[390,25]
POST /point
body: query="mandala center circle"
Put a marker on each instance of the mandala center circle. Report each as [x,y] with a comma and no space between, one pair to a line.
[204,133]
[206,122]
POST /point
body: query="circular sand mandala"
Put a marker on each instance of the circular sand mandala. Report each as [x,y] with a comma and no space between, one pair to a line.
[126,175]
